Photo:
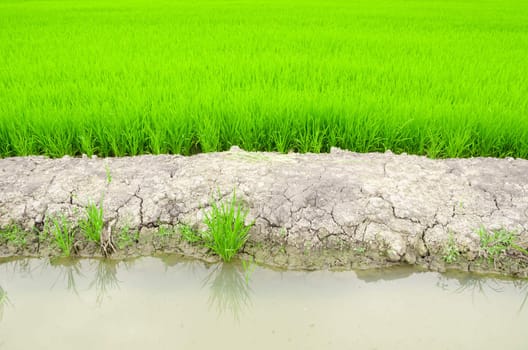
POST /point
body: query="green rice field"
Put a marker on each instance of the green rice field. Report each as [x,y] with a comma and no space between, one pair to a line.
[443,78]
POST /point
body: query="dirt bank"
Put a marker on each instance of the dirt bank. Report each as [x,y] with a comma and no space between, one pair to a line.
[312,211]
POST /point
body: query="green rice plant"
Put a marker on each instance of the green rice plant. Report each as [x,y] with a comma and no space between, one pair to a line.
[60,229]
[271,76]
[227,232]
[15,235]
[92,225]
[451,252]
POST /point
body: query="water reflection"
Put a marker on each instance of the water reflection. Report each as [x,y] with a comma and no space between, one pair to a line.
[227,285]
[453,281]
[21,267]
[387,274]
[4,301]
[522,285]
[229,290]
[105,279]
[69,269]
[458,282]
[469,283]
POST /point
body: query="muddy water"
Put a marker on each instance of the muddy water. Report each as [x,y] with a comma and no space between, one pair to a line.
[173,304]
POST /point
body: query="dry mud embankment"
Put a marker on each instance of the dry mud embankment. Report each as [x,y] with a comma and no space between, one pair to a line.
[311,211]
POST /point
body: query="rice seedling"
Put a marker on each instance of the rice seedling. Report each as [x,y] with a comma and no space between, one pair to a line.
[227,232]
[60,229]
[92,225]
[432,77]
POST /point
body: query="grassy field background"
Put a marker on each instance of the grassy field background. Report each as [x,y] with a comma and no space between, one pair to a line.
[443,78]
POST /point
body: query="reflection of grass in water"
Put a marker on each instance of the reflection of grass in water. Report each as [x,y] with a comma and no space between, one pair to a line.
[70,269]
[469,283]
[18,266]
[4,300]
[229,292]
[523,286]
[479,285]
[105,279]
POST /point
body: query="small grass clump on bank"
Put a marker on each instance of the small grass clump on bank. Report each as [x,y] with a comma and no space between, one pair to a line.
[226,230]
[190,235]
[499,243]
[165,232]
[451,252]
[14,235]
[127,238]
[61,232]
[432,77]
[92,225]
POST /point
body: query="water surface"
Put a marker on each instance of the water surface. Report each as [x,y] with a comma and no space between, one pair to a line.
[180,304]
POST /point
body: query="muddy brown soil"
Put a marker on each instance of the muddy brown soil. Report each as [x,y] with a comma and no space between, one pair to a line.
[339,210]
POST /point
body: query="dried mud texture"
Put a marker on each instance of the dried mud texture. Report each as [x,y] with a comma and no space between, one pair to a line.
[341,209]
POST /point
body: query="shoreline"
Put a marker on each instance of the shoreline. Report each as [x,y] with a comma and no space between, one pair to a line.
[340,210]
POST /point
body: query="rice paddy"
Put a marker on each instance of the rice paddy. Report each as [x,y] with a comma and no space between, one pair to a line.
[114,78]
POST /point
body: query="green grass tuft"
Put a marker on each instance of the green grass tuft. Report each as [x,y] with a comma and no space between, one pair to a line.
[496,244]
[451,252]
[15,235]
[60,229]
[92,225]
[190,235]
[127,238]
[227,232]
[165,232]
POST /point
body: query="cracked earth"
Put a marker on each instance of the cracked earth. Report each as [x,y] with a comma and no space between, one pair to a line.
[341,209]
